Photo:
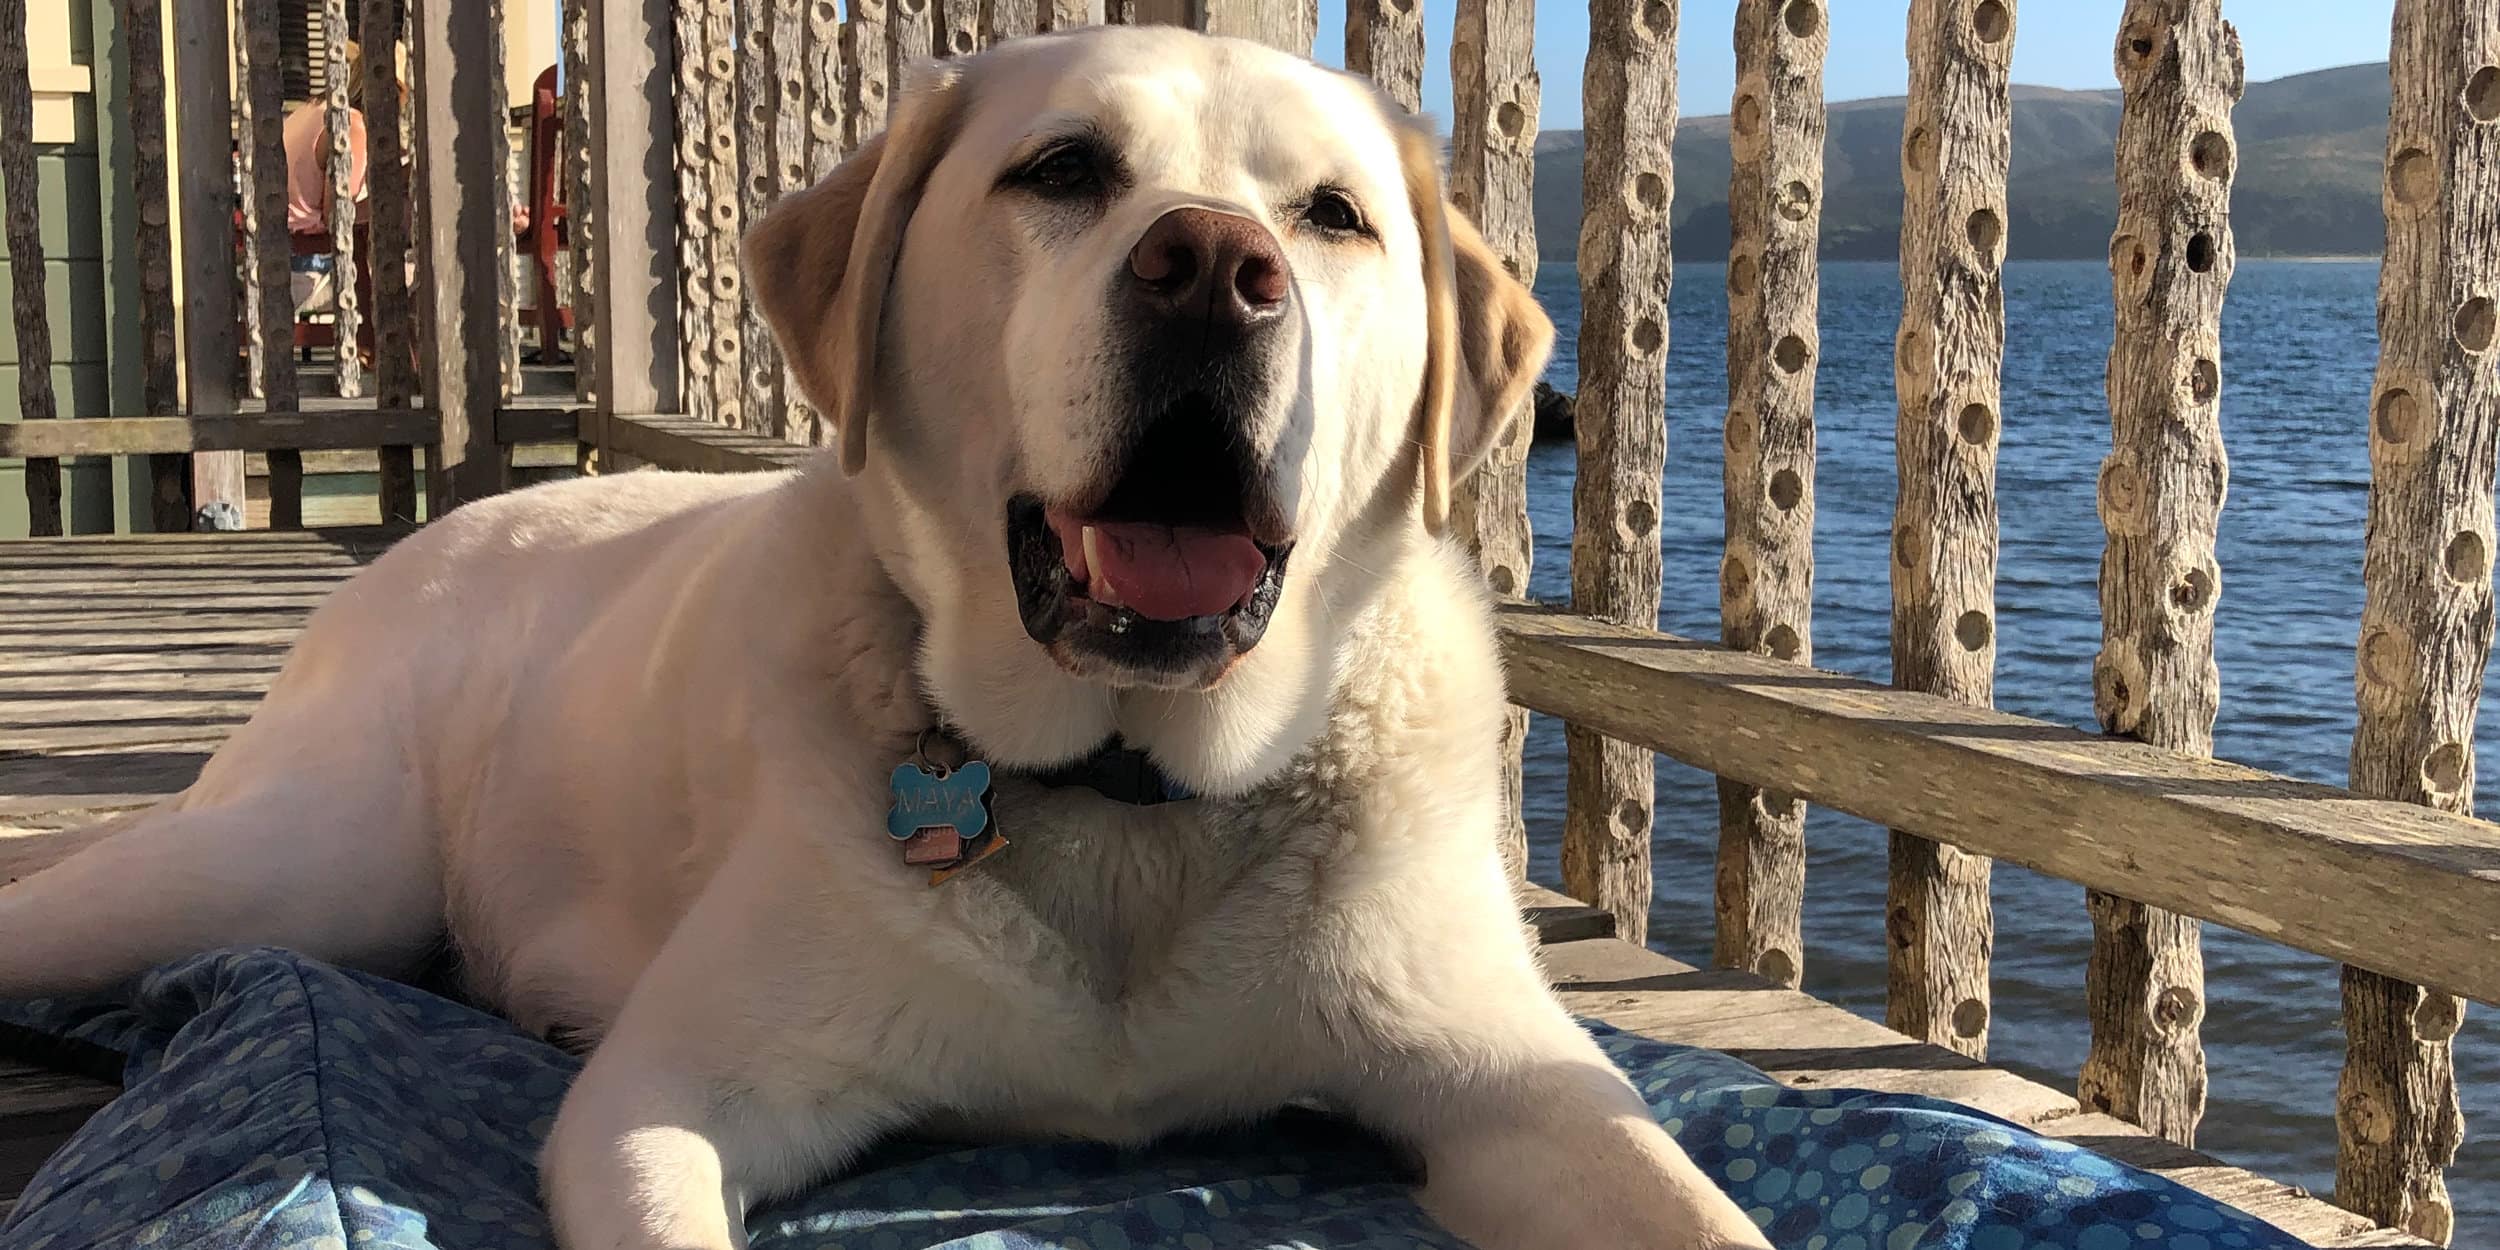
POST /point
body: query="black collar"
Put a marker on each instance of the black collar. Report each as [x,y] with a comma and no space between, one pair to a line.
[1116,771]
[1119,773]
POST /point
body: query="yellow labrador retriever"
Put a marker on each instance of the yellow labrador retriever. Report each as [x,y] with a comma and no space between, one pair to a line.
[1152,356]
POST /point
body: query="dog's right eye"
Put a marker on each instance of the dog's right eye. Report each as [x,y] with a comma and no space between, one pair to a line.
[1064,170]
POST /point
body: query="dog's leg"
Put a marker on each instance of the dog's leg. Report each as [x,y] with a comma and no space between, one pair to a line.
[744,1065]
[1545,1146]
[350,877]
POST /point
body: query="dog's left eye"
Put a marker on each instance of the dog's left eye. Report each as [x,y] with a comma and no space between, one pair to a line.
[1066,170]
[1334,212]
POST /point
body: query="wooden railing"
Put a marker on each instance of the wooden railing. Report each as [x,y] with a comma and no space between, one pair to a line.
[680,143]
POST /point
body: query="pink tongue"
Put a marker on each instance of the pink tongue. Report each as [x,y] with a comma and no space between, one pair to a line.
[1171,573]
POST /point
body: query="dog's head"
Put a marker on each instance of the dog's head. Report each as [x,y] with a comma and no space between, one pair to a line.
[1146,339]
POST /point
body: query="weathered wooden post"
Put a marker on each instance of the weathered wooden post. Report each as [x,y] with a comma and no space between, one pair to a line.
[28,309]
[582,217]
[2161,496]
[1494,90]
[203,171]
[694,211]
[1620,421]
[633,185]
[151,177]
[1766,582]
[866,89]
[1384,40]
[346,374]
[464,215]
[725,284]
[2427,621]
[1956,143]
[386,146]
[262,147]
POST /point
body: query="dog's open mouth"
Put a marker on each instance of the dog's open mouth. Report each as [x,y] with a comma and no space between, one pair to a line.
[1166,574]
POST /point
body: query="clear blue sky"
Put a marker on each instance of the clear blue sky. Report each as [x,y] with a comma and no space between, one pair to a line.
[2057,43]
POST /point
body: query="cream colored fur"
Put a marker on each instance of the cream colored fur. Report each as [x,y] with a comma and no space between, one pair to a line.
[626,740]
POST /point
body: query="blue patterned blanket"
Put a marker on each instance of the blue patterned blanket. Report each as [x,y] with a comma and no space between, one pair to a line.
[276,1102]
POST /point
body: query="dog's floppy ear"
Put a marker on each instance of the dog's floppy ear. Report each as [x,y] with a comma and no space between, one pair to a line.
[820,263]
[1487,339]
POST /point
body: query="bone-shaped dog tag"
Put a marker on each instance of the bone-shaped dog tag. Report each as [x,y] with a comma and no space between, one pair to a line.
[941,817]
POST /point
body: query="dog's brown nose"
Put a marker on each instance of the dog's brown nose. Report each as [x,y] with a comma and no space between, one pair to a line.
[1201,265]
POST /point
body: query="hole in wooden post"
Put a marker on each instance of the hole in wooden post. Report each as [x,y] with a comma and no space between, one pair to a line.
[1781,642]
[1791,354]
[1973,630]
[2482,94]
[2413,177]
[1776,966]
[2210,153]
[1648,336]
[1748,117]
[2476,324]
[1911,356]
[2399,417]
[2128,257]
[2194,591]
[2468,558]
[1512,119]
[1657,20]
[962,42]
[2443,771]
[1804,18]
[1909,547]
[2204,380]
[1631,818]
[2175,1008]
[1986,230]
[826,14]
[1735,580]
[1796,201]
[1916,153]
[2387,659]
[1640,517]
[1742,434]
[1504,579]
[1787,490]
[2438,1015]
[1991,21]
[1742,272]
[2137,42]
[2200,252]
[1649,191]
[1970,1018]
[1976,425]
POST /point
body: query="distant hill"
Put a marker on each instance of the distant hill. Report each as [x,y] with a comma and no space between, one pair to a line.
[2311,147]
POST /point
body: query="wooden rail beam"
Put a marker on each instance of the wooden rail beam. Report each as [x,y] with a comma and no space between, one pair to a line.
[1766,582]
[1494,90]
[332,430]
[2398,888]
[1957,139]
[1628,177]
[2426,622]
[2160,499]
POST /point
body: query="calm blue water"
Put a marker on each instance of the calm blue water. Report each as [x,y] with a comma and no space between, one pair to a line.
[2299,345]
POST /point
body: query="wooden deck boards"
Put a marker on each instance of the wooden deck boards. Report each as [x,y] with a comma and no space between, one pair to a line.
[124,661]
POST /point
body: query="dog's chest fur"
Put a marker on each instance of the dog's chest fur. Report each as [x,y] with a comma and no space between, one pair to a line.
[1144,950]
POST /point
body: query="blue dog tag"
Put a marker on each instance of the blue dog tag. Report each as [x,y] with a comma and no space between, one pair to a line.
[928,798]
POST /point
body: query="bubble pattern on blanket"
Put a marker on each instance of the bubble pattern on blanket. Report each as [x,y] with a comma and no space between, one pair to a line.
[276,1102]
